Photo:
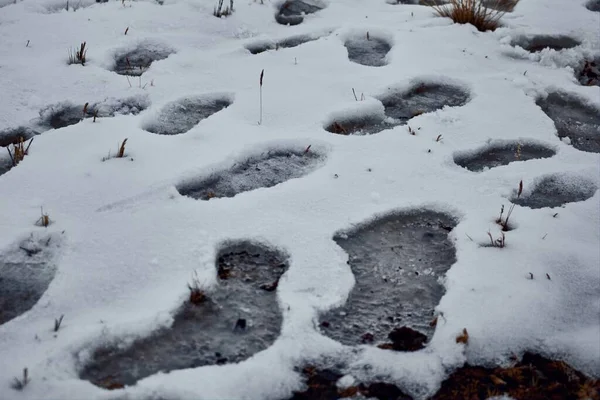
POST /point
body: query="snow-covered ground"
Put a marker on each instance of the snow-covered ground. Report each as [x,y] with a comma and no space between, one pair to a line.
[125,243]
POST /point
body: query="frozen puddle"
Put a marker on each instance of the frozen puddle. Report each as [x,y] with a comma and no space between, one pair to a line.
[400,107]
[502,154]
[556,190]
[367,50]
[397,261]
[593,5]
[293,41]
[292,12]
[500,5]
[26,271]
[182,115]
[262,171]
[66,114]
[573,119]
[238,319]
[137,61]
[538,43]
[324,384]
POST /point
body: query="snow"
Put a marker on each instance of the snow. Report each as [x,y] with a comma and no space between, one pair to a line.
[131,242]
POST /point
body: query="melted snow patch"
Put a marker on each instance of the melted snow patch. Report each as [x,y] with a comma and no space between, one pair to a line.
[556,190]
[260,171]
[292,12]
[593,5]
[292,41]
[534,44]
[136,61]
[26,270]
[236,319]
[502,153]
[368,50]
[398,262]
[573,119]
[182,115]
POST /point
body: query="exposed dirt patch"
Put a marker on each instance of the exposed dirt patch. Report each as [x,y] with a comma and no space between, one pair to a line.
[182,115]
[397,261]
[532,378]
[538,43]
[137,61]
[292,12]
[502,154]
[26,271]
[367,50]
[556,190]
[239,318]
[262,171]
[573,119]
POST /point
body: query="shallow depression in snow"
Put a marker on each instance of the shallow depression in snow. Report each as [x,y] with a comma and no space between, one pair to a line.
[292,41]
[366,50]
[182,115]
[137,61]
[556,190]
[397,261]
[291,12]
[25,273]
[502,153]
[534,44]
[360,125]
[593,5]
[573,119]
[262,171]
[239,318]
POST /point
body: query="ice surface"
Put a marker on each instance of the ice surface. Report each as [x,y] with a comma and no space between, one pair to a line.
[534,44]
[182,115]
[211,332]
[593,5]
[398,262]
[361,125]
[370,51]
[262,171]
[422,98]
[291,12]
[25,273]
[137,61]
[573,119]
[292,41]
[556,190]
[502,153]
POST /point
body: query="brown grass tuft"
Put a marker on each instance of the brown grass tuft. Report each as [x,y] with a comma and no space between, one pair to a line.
[121,152]
[475,12]
[464,337]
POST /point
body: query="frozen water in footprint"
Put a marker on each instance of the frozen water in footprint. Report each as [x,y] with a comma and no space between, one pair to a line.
[502,153]
[593,5]
[262,171]
[137,61]
[26,270]
[293,41]
[556,190]
[397,261]
[359,125]
[538,43]
[239,318]
[588,73]
[367,50]
[417,2]
[182,115]
[291,12]
[66,114]
[573,119]
[422,98]
[500,5]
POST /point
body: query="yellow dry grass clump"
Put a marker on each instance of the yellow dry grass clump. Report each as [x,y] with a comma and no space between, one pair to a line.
[484,15]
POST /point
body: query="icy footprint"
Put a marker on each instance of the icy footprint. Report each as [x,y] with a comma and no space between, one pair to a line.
[533,378]
[239,318]
[500,5]
[182,115]
[330,384]
[137,61]
[422,98]
[534,44]
[26,271]
[292,41]
[367,50]
[573,119]
[397,261]
[66,114]
[555,190]
[588,73]
[502,153]
[593,5]
[292,12]
[359,125]
[262,171]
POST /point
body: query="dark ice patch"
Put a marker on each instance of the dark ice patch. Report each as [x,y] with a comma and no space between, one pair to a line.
[538,43]
[556,190]
[502,153]
[369,51]
[292,12]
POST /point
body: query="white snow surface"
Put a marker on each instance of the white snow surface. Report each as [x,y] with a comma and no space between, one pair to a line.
[131,242]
